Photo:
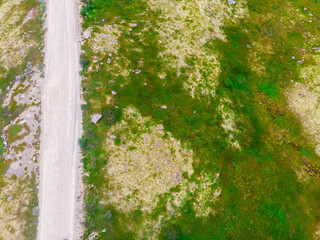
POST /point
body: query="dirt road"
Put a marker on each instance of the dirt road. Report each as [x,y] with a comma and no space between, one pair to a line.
[61,123]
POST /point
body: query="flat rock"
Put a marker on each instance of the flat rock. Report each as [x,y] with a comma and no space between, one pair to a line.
[96,117]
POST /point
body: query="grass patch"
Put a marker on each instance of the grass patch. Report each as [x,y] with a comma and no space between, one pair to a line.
[261,195]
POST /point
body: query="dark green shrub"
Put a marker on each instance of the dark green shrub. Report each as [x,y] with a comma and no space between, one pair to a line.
[111,115]
[82,143]
[84,63]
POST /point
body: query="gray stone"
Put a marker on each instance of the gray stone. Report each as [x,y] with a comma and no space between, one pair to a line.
[96,117]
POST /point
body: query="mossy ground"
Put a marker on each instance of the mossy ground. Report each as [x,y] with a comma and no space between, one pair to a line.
[251,158]
[21,36]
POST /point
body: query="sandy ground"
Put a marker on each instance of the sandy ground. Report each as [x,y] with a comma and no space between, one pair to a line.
[61,124]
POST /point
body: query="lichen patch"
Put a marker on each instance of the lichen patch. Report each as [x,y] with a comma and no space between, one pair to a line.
[184,28]
[14,201]
[14,43]
[303,99]
[147,163]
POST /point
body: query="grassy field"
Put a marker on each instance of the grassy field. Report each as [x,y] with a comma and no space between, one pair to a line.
[21,37]
[203,135]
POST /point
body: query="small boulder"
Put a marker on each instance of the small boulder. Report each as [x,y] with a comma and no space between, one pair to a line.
[96,117]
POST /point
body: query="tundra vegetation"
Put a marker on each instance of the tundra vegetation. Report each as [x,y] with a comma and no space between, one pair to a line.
[21,37]
[210,119]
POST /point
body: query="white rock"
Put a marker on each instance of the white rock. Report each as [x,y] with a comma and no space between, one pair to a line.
[96,117]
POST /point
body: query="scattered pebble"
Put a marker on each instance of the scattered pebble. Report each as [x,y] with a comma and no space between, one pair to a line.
[10,198]
[112,137]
